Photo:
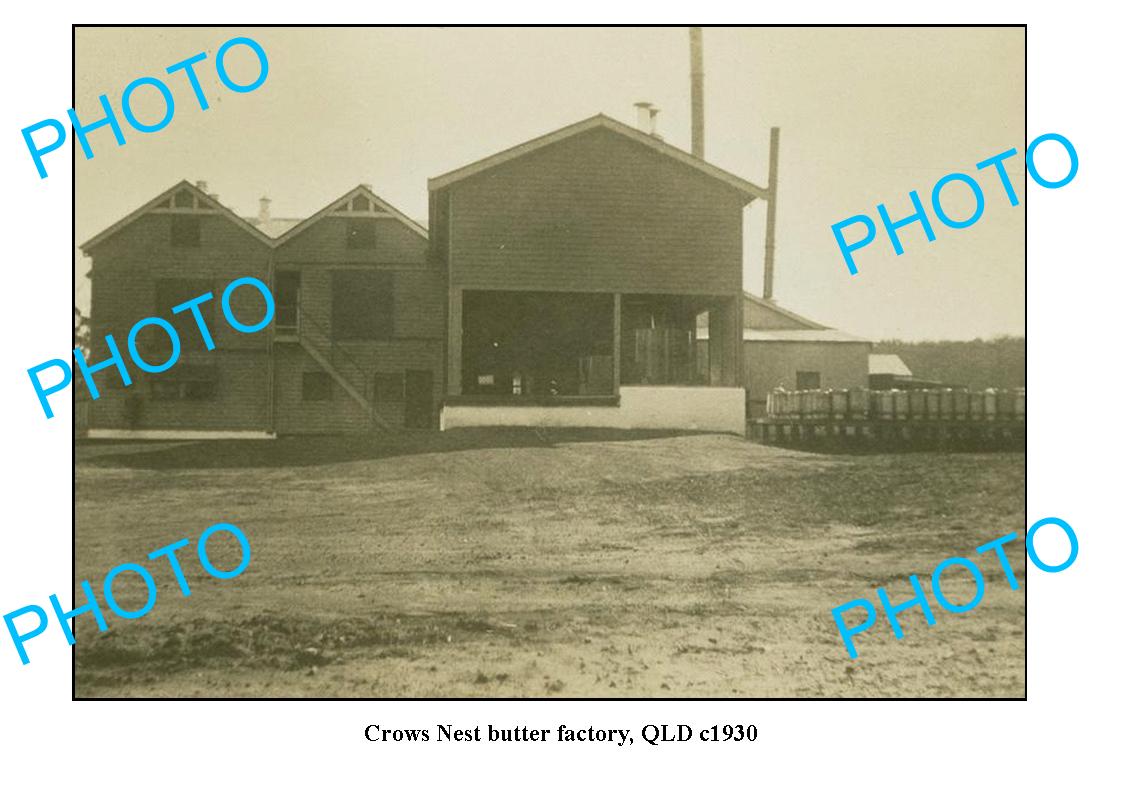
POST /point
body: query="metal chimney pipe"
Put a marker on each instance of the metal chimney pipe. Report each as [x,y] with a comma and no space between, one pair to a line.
[263,209]
[770,219]
[697,100]
[643,116]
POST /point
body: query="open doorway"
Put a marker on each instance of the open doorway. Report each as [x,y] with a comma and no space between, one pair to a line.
[532,344]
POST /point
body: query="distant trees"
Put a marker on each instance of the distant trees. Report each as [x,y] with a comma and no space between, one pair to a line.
[977,364]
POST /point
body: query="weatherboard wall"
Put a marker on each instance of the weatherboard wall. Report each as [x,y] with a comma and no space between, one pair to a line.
[126,267]
[594,212]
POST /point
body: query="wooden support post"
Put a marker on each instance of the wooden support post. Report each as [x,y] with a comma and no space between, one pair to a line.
[615,343]
[740,377]
[455,338]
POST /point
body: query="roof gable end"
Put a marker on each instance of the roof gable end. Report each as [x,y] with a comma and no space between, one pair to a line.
[359,202]
[172,201]
[772,306]
[748,190]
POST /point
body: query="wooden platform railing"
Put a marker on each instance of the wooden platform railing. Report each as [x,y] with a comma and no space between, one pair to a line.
[945,405]
[879,420]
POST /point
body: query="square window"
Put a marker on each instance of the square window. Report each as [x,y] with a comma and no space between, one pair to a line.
[389,387]
[199,390]
[171,293]
[187,382]
[163,390]
[362,305]
[361,233]
[807,380]
[360,204]
[185,231]
[316,386]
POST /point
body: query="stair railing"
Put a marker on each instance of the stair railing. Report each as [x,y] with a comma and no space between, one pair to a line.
[335,353]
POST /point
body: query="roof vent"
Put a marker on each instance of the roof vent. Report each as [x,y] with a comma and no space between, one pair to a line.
[645,119]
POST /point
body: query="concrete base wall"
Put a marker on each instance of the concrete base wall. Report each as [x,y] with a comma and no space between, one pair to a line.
[671,408]
[174,434]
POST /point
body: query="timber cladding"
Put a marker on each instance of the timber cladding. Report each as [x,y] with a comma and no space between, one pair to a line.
[129,265]
[250,382]
[326,241]
[135,269]
[768,365]
[594,212]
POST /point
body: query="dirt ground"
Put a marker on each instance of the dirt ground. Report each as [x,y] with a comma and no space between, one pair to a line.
[531,563]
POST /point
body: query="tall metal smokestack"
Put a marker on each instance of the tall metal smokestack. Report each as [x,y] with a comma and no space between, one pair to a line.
[770,219]
[697,100]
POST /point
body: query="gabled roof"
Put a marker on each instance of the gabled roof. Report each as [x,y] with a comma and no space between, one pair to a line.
[889,365]
[273,233]
[204,201]
[801,336]
[274,227]
[360,190]
[792,336]
[748,190]
[768,304]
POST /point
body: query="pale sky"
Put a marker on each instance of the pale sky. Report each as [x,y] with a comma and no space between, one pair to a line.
[866,115]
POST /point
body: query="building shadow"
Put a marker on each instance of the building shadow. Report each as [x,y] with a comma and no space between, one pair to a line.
[312,451]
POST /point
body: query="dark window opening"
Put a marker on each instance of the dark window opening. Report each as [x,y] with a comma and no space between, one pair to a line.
[362,305]
[807,379]
[184,198]
[187,383]
[360,203]
[361,233]
[166,390]
[286,294]
[199,390]
[185,231]
[316,386]
[389,387]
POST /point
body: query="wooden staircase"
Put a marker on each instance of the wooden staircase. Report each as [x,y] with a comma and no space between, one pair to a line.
[315,338]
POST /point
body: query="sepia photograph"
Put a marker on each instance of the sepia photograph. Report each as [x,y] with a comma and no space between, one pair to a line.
[549,362]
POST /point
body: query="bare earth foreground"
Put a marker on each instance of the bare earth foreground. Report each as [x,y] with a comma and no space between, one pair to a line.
[531,563]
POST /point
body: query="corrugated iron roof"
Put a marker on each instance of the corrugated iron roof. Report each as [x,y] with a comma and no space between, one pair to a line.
[888,365]
[792,336]
[801,336]
[771,306]
[275,227]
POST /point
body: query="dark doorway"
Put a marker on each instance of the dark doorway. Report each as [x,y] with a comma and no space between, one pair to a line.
[419,399]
